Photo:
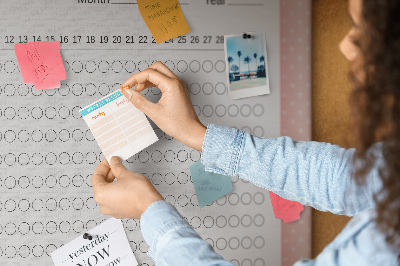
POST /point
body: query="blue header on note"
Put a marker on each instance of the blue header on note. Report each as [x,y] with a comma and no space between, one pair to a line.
[100,103]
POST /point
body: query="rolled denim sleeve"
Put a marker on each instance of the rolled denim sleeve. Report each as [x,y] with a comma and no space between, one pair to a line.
[313,173]
[172,240]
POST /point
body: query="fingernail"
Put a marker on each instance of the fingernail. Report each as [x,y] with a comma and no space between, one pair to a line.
[115,160]
[128,94]
[124,88]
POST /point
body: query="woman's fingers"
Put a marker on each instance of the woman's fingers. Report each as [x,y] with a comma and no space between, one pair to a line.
[159,80]
[160,67]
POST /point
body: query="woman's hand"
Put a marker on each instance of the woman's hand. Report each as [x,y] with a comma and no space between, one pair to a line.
[128,196]
[174,113]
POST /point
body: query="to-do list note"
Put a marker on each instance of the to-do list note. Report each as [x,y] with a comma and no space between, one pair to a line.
[118,126]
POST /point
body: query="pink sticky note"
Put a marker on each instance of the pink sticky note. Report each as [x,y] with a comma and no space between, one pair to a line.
[284,209]
[41,64]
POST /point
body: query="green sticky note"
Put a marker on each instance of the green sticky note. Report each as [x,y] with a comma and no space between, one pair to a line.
[209,186]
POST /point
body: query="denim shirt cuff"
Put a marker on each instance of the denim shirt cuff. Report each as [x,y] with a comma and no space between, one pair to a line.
[158,219]
[222,148]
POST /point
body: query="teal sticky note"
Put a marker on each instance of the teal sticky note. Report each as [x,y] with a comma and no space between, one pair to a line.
[209,186]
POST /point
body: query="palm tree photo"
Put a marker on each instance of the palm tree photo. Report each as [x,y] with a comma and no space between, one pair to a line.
[239,53]
[247,60]
[255,60]
[230,60]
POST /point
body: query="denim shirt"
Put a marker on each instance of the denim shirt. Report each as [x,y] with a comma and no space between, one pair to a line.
[312,173]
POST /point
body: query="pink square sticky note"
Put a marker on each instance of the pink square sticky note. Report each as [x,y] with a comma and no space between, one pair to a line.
[284,209]
[41,64]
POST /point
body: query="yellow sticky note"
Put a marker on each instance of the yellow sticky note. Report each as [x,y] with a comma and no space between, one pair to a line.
[164,18]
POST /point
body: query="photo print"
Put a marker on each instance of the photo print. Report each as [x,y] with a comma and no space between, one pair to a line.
[247,71]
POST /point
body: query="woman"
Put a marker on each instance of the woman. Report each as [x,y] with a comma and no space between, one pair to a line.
[316,174]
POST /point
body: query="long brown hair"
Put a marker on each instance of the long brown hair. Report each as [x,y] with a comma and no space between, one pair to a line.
[375,102]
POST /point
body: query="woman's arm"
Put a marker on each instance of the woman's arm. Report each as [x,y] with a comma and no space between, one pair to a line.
[312,173]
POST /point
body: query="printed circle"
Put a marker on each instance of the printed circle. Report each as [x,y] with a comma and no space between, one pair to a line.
[89,180]
[221,201]
[64,89]
[24,251]
[90,203]
[183,178]
[208,111]
[23,159]
[169,178]
[10,229]
[207,66]
[51,181]
[246,262]
[90,89]
[37,135]
[259,220]
[10,66]
[77,204]
[195,222]
[221,243]
[197,109]
[23,182]
[75,112]
[170,65]
[10,113]
[24,205]
[24,228]
[182,156]
[64,158]
[182,66]
[37,204]
[246,242]
[23,136]
[220,66]
[64,181]
[245,110]
[51,204]
[77,157]
[233,198]
[65,226]
[156,178]
[37,251]
[208,222]
[233,110]
[220,110]
[104,89]
[50,249]
[89,136]
[10,136]
[77,66]
[221,221]
[64,204]
[37,159]
[66,66]
[234,243]
[182,200]
[259,242]
[90,66]
[50,92]
[10,159]
[64,135]
[50,112]
[23,113]
[144,156]
[193,200]
[258,131]
[78,226]
[143,247]
[169,156]
[63,112]
[246,198]
[9,90]
[23,89]
[234,221]
[130,66]
[37,228]
[258,110]
[77,135]
[195,88]
[91,158]
[194,66]
[91,224]
[77,89]
[10,205]
[258,198]
[259,262]
[51,227]
[210,241]
[10,252]
[103,66]
[37,181]
[142,65]
[195,155]
[156,156]
[37,112]
[130,224]
[207,88]
[10,182]
[50,135]
[170,199]
[77,181]
[246,220]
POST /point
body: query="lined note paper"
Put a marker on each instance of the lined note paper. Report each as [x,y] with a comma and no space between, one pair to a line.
[118,126]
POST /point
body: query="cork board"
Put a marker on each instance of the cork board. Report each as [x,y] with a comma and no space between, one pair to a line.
[331,89]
